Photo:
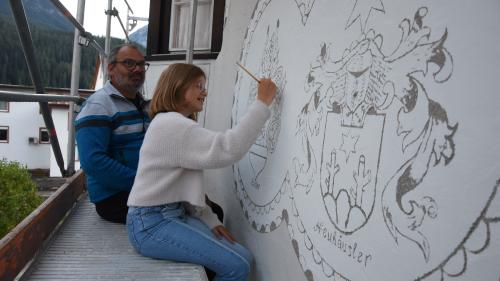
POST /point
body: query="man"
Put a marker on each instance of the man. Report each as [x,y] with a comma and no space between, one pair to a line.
[110,129]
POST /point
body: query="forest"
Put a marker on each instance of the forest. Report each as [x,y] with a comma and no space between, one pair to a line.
[54,54]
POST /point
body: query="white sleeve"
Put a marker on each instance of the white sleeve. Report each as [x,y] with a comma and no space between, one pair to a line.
[205,149]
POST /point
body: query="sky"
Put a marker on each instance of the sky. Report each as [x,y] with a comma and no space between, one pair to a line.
[95,18]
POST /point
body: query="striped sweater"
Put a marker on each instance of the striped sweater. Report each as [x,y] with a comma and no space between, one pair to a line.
[109,133]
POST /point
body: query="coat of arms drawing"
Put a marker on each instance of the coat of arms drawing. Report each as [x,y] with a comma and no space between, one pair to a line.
[365,156]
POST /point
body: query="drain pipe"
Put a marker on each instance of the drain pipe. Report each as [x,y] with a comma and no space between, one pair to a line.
[29,53]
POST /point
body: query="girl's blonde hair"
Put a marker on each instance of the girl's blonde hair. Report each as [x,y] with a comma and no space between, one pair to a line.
[170,89]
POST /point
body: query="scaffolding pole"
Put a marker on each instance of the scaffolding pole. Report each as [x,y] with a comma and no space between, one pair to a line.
[107,42]
[75,85]
[116,14]
[29,53]
[87,36]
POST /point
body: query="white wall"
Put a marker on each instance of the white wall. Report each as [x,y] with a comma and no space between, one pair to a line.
[24,121]
[430,143]
[274,254]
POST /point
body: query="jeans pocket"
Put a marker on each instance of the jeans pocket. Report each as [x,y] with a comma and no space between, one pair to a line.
[150,217]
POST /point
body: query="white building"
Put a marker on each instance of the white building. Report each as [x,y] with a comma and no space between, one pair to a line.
[23,135]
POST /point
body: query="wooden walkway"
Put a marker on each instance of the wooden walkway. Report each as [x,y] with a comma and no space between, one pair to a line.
[88,248]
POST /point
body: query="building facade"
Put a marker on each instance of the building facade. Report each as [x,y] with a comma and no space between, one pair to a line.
[380,159]
[23,136]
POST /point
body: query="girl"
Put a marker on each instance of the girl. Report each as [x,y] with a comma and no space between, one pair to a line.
[168,217]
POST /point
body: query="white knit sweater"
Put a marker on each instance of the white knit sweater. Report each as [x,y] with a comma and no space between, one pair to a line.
[175,151]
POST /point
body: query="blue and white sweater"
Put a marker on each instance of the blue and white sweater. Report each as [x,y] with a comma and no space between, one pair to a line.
[109,133]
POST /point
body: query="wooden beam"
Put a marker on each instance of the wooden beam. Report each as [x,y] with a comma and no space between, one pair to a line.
[20,245]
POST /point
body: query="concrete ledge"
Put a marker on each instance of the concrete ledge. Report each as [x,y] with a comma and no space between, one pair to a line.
[87,247]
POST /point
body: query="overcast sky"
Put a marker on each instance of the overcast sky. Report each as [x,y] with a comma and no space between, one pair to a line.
[95,18]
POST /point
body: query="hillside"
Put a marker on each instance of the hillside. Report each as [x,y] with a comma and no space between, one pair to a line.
[41,13]
[140,36]
[53,43]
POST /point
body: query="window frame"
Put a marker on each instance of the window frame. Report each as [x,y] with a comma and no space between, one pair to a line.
[8,134]
[40,140]
[158,42]
[171,36]
[8,107]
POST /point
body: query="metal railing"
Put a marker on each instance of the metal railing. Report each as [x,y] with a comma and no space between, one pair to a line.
[82,37]
[29,53]
[23,97]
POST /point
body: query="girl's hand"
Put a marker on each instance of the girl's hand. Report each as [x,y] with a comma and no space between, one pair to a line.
[267,91]
[220,231]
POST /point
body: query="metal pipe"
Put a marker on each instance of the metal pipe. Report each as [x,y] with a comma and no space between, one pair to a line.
[23,97]
[29,53]
[191,32]
[128,7]
[131,26]
[116,14]
[127,29]
[127,25]
[138,18]
[78,26]
[107,42]
[75,85]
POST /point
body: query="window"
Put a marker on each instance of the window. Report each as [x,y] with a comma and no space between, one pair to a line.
[179,25]
[4,134]
[4,106]
[169,24]
[43,136]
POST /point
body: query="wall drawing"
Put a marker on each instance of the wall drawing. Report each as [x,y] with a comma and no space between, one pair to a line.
[305,7]
[358,154]
[250,169]
[266,142]
[362,10]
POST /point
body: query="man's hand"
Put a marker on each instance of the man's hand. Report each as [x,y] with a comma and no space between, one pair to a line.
[220,231]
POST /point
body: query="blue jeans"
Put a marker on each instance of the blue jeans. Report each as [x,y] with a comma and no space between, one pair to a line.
[167,232]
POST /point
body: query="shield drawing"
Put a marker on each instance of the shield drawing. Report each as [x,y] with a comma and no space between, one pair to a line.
[349,168]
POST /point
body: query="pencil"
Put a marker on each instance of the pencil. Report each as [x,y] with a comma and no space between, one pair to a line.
[249,73]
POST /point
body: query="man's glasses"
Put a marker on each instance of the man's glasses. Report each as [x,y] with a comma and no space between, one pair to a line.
[131,64]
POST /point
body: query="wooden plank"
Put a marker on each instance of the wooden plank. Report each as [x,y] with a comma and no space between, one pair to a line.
[19,246]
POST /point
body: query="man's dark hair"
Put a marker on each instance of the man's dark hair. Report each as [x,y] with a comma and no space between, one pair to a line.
[115,50]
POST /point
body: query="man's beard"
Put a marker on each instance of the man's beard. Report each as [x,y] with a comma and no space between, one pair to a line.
[127,84]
